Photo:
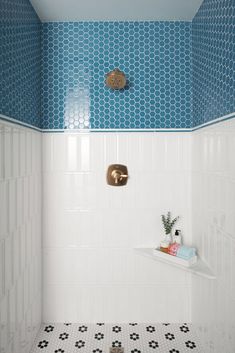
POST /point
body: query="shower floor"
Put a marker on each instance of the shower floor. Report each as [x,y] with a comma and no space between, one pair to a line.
[133,337]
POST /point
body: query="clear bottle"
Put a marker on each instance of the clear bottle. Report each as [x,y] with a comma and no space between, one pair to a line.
[177,237]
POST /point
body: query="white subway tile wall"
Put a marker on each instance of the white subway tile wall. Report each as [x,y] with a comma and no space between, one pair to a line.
[91,273]
[213,185]
[20,237]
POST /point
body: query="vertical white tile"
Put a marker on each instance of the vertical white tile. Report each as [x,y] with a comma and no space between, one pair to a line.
[84,152]
[8,152]
[16,153]
[90,228]
[213,234]
[16,254]
[29,152]
[47,151]
[159,151]
[4,324]
[19,299]
[2,152]
[2,270]
[22,153]
[59,151]
[20,207]
[12,205]
[12,312]
[72,152]
[8,263]
[97,152]
[20,198]
[4,207]
[110,149]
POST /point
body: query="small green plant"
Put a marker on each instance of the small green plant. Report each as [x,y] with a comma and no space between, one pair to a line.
[168,223]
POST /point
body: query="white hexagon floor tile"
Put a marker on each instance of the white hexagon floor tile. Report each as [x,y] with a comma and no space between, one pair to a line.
[133,337]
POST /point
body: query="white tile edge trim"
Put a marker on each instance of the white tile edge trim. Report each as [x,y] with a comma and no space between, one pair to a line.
[7,119]
[114,130]
[209,123]
[215,121]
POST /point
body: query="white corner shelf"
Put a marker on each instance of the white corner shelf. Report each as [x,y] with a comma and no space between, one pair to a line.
[200,268]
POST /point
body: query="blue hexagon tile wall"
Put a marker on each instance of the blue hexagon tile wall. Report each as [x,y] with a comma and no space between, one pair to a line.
[20,62]
[155,56]
[213,60]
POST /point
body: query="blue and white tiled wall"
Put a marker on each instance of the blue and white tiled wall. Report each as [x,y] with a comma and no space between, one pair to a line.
[156,57]
[213,60]
[20,62]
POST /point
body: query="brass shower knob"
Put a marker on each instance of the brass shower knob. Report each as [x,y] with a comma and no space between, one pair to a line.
[116,79]
[117,175]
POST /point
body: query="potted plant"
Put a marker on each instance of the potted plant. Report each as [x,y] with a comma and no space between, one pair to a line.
[168,224]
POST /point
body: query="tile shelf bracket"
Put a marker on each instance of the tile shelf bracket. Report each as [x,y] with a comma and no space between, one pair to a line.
[200,268]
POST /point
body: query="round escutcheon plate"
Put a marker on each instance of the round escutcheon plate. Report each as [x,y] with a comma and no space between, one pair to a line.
[116,79]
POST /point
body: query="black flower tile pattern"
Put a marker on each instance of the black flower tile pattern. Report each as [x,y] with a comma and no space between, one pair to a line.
[184,329]
[99,336]
[116,344]
[49,328]
[150,329]
[80,344]
[64,336]
[82,328]
[43,344]
[169,336]
[132,337]
[117,329]
[153,344]
[190,344]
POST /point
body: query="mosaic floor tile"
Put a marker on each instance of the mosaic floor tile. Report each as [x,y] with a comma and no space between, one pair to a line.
[100,337]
